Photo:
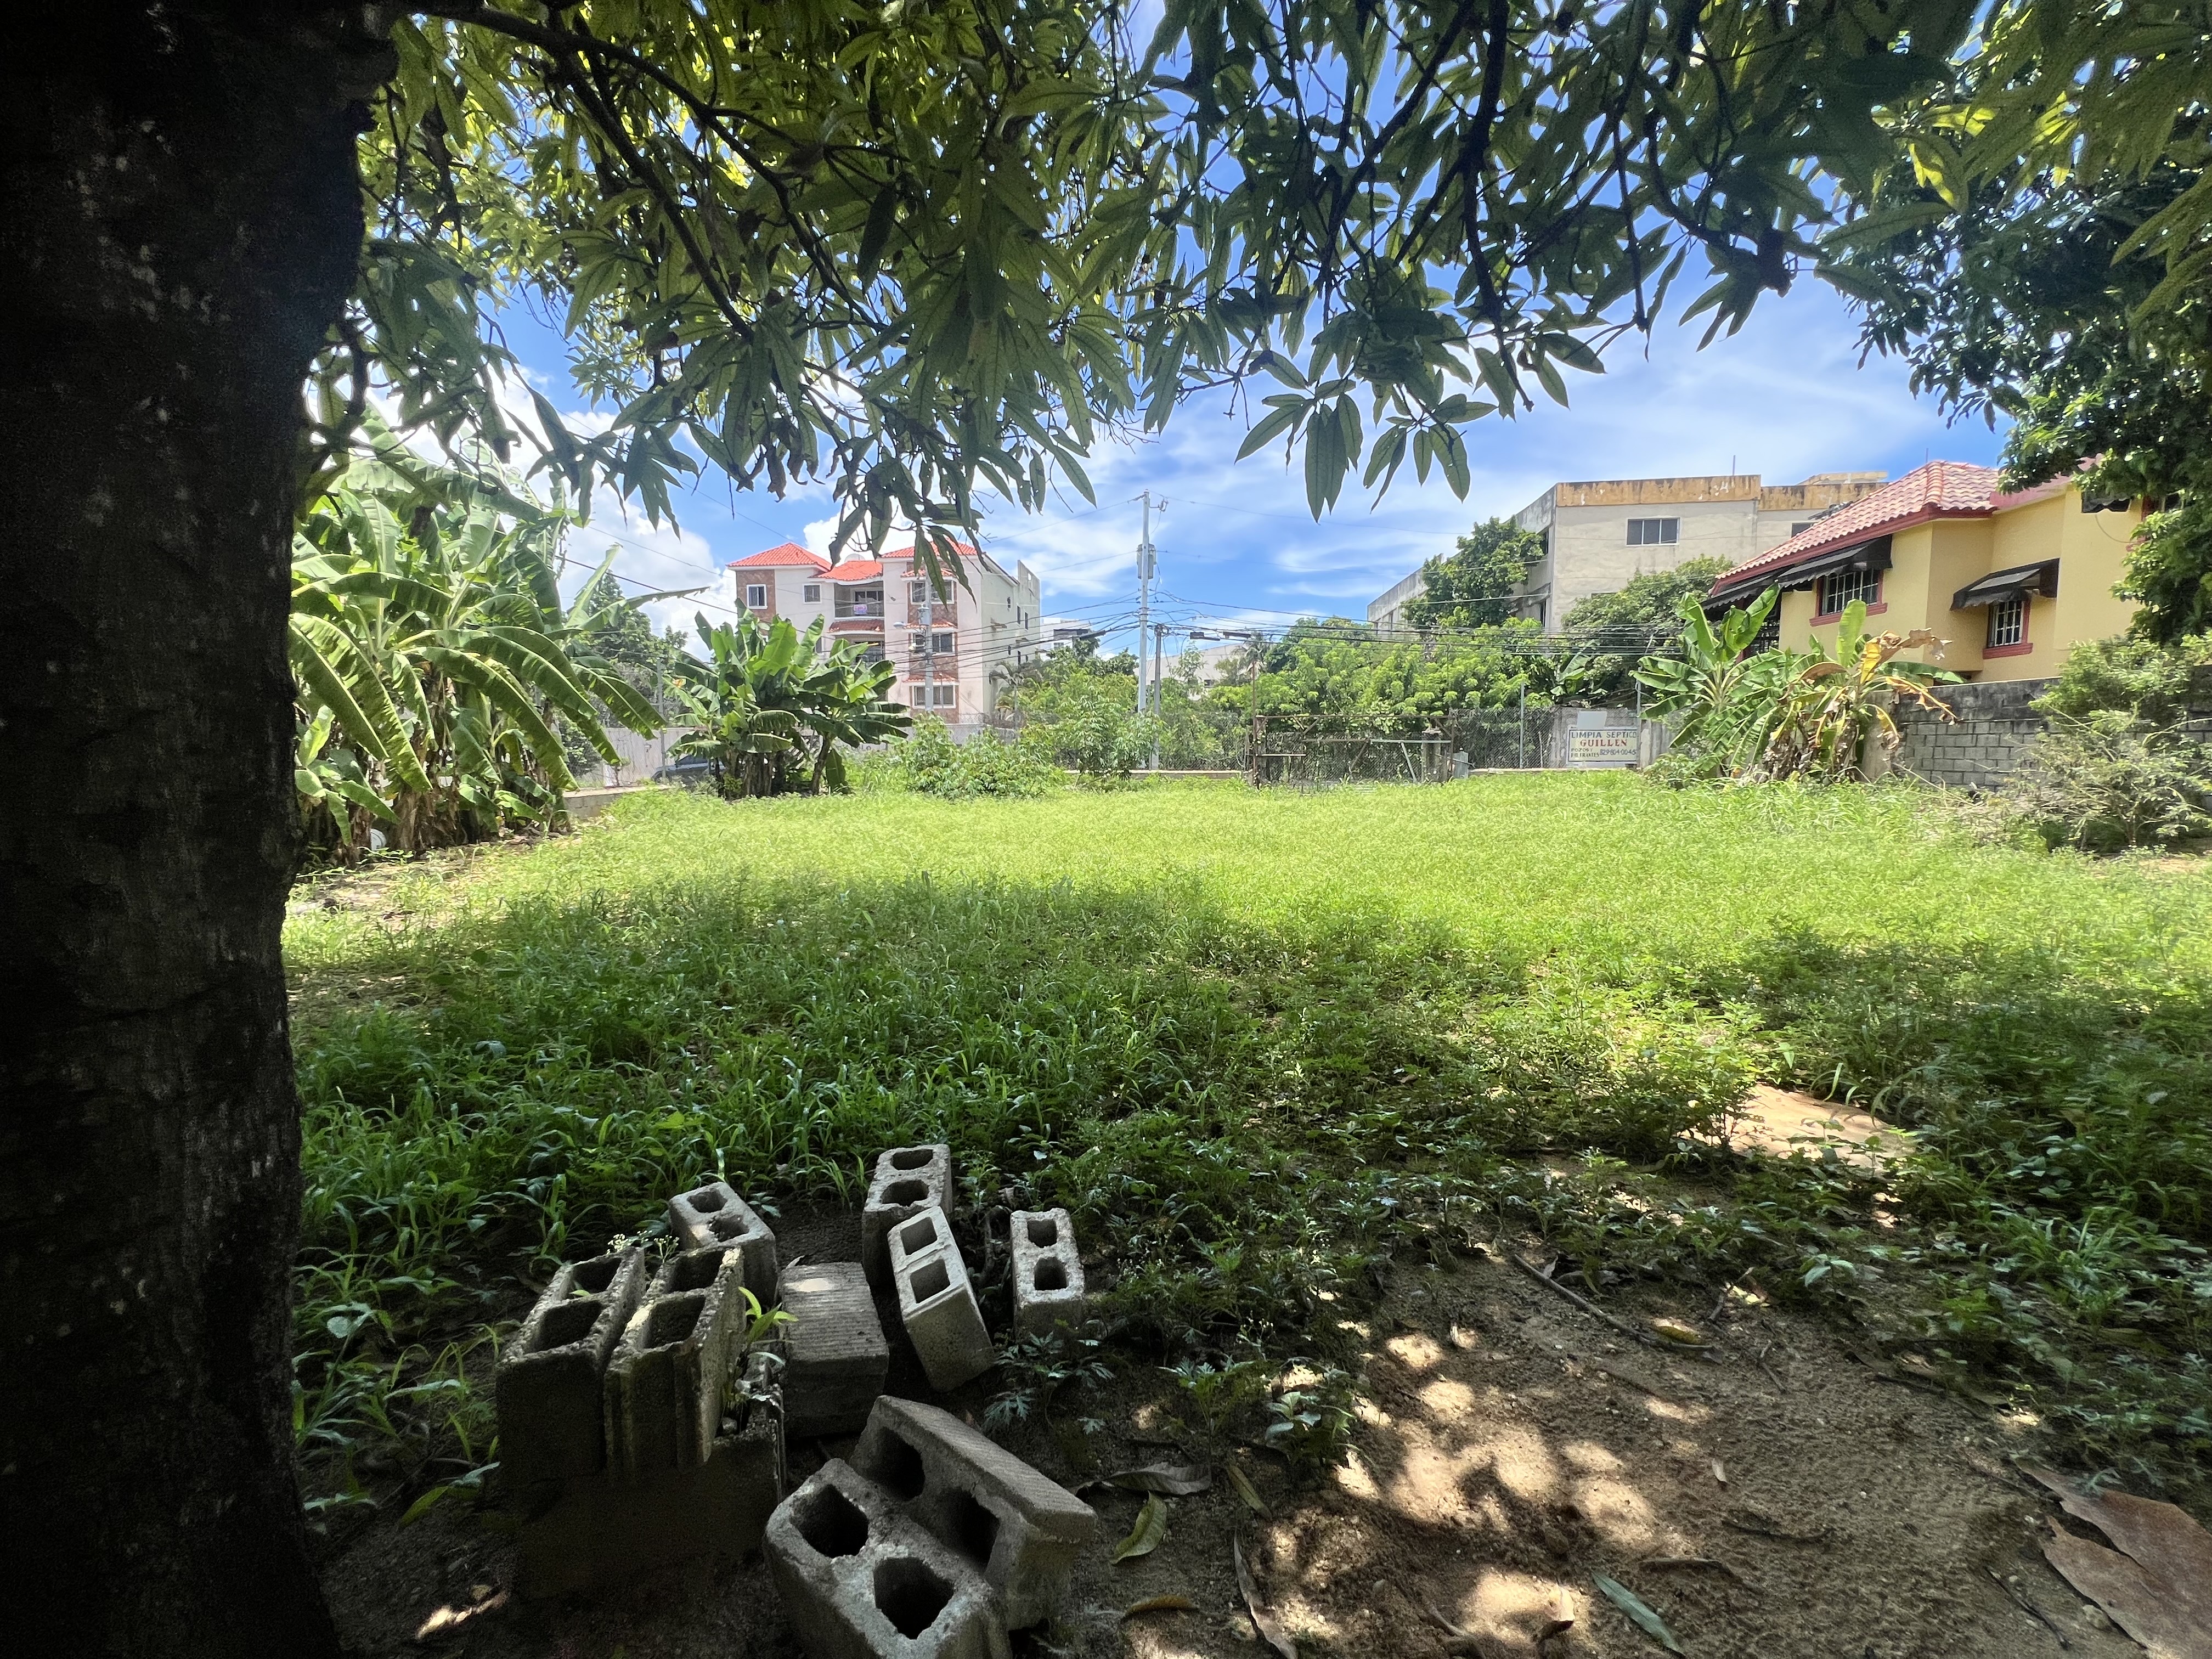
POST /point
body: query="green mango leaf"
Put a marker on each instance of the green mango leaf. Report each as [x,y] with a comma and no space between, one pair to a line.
[1638,1610]
[1150,1532]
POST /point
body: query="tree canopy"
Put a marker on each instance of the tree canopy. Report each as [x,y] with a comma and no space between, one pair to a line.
[910,250]
[1474,585]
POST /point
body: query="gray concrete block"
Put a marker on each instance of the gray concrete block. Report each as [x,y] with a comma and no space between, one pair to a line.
[835,1354]
[669,1372]
[548,1389]
[936,1302]
[1048,1271]
[907,1180]
[1019,1529]
[712,1218]
[601,1530]
[860,1581]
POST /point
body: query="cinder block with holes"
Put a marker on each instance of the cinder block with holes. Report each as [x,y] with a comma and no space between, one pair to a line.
[836,1356]
[937,1303]
[713,1219]
[907,1180]
[860,1581]
[666,1380]
[549,1385]
[1019,1529]
[1048,1271]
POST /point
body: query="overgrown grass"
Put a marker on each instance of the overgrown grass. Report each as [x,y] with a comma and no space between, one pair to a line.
[1260,1043]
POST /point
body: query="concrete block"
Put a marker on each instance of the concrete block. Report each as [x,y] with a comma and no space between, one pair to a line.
[1019,1529]
[1048,1271]
[860,1581]
[602,1530]
[907,1180]
[548,1387]
[835,1354]
[937,1303]
[666,1380]
[712,1219]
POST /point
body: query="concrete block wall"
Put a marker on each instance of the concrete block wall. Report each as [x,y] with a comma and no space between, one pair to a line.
[1982,746]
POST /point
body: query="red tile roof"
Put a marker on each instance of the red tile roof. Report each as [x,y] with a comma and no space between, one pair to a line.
[855,570]
[1940,489]
[779,558]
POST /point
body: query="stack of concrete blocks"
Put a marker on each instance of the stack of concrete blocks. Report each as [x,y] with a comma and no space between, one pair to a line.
[1048,1273]
[932,1541]
[907,1181]
[712,1219]
[624,1439]
[836,1359]
[937,1301]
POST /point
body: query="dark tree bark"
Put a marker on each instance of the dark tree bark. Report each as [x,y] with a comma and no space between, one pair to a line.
[179,223]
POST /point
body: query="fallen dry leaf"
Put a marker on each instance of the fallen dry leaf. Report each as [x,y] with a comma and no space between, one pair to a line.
[1176,1480]
[1246,1490]
[1465,1341]
[1678,1331]
[2157,1586]
[1270,1627]
[1719,1471]
[1148,1534]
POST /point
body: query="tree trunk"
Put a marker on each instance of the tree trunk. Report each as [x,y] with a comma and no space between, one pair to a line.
[180,224]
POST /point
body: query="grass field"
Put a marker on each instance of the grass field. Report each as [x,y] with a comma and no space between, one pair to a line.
[1259,1043]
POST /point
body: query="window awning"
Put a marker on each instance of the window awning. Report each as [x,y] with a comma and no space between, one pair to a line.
[2038,578]
[1860,556]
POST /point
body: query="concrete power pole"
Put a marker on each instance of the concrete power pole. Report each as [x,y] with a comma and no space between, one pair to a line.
[1145,566]
[928,627]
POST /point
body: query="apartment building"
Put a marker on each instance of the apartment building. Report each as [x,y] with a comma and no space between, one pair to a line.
[1600,534]
[951,651]
[2008,582]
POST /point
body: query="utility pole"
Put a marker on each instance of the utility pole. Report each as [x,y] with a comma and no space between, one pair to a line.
[1252,639]
[1159,648]
[1146,565]
[928,623]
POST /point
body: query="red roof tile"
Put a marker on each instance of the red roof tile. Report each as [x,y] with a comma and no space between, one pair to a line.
[855,570]
[1940,489]
[778,558]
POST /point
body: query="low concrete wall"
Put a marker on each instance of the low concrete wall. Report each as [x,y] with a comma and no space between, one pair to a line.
[583,803]
[1982,746]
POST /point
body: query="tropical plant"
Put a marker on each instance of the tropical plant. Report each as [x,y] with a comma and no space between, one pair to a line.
[1831,706]
[433,655]
[2106,783]
[1721,696]
[767,701]
[1475,586]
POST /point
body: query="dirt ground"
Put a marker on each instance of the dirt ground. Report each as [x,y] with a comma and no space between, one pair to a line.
[1773,1498]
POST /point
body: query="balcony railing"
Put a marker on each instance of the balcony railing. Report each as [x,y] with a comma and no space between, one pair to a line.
[858,606]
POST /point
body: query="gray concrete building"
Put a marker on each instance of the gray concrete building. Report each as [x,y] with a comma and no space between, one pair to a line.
[1600,534]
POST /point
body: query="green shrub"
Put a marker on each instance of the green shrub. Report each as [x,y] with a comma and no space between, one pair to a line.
[2109,784]
[2153,684]
[931,763]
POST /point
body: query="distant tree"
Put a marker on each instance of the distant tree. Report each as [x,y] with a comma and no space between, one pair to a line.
[1615,630]
[1474,586]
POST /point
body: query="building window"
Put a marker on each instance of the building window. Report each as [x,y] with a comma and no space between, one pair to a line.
[873,653]
[811,592]
[2007,622]
[1842,588]
[1654,532]
[943,696]
[941,644]
[919,593]
[756,596]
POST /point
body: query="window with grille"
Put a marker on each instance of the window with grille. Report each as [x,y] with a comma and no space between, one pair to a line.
[1654,532]
[941,644]
[1843,587]
[756,596]
[2008,621]
[943,696]
[811,592]
[919,593]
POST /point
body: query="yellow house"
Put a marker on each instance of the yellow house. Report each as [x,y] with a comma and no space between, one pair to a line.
[2008,582]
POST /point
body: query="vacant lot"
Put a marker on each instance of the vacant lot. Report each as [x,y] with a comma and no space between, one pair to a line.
[1272,1050]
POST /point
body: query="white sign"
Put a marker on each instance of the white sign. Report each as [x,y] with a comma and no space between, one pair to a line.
[1602,745]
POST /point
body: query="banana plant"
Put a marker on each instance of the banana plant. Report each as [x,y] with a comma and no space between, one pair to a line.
[1832,706]
[1724,697]
[430,638]
[765,694]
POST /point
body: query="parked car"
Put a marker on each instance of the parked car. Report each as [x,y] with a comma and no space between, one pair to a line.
[690,771]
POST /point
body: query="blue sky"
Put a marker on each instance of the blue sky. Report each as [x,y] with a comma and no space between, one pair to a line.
[1785,398]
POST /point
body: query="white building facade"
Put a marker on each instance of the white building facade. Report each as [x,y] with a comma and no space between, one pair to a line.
[953,651]
[1601,534]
